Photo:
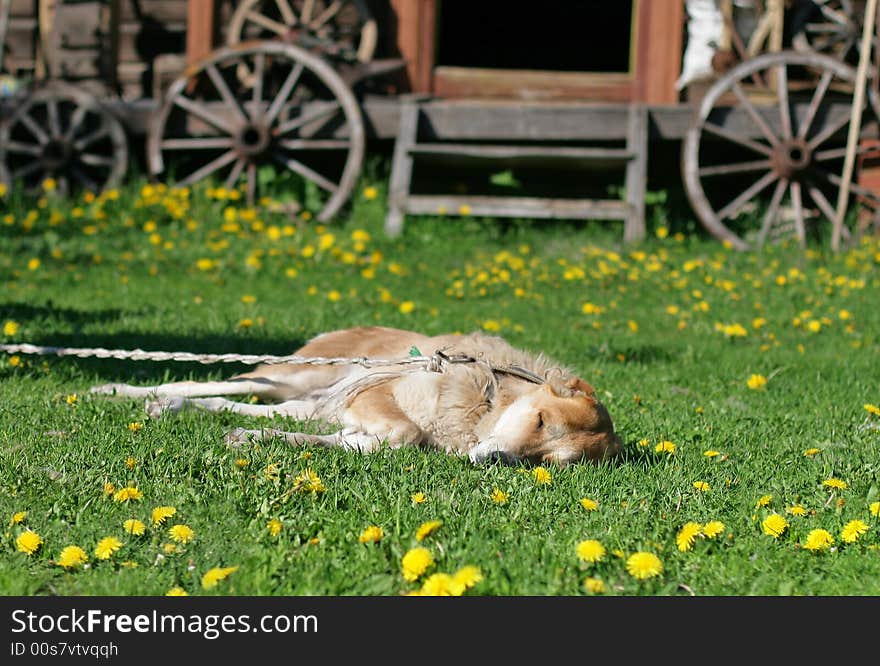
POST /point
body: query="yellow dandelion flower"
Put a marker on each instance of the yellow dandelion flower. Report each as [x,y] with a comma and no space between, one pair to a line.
[177,592]
[665,447]
[134,526]
[499,496]
[169,548]
[71,399]
[72,557]
[241,463]
[874,508]
[468,575]
[161,513]
[756,382]
[853,530]
[871,409]
[18,517]
[812,452]
[181,533]
[106,547]
[215,575]
[415,563]
[594,585]
[109,488]
[441,585]
[589,504]
[713,528]
[711,453]
[131,462]
[774,525]
[407,306]
[135,426]
[644,442]
[10,328]
[836,484]
[644,565]
[687,536]
[427,528]
[590,550]
[309,482]
[702,486]
[370,193]
[796,510]
[127,494]
[274,526]
[542,476]
[28,542]
[764,500]
[819,540]
[371,534]
[418,498]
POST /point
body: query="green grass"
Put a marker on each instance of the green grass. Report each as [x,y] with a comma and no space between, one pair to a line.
[125,273]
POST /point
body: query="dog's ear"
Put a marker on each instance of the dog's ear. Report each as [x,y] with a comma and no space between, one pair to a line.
[578,385]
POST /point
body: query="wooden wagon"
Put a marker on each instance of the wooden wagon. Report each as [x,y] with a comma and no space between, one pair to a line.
[552,100]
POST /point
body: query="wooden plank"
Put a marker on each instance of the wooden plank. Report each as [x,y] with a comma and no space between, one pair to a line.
[162,11]
[531,85]
[201,29]
[523,155]
[415,39]
[659,35]
[636,174]
[401,168]
[539,208]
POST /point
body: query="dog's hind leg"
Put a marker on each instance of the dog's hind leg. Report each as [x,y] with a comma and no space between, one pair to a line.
[347,439]
[245,386]
[301,410]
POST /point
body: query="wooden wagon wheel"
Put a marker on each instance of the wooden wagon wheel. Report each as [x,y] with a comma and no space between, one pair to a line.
[830,27]
[337,29]
[295,113]
[62,133]
[784,135]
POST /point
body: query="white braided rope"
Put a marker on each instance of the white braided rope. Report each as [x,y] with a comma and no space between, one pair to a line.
[432,363]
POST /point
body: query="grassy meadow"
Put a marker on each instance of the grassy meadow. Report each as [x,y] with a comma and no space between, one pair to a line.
[744,385]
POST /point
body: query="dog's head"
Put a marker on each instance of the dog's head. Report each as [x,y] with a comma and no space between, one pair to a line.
[560,424]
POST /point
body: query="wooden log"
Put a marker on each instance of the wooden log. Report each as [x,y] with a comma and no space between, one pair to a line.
[528,207]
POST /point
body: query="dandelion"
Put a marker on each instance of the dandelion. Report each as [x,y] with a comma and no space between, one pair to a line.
[28,542]
[127,494]
[702,486]
[370,193]
[874,508]
[796,510]
[441,585]
[499,496]
[835,484]
[542,476]
[644,565]
[764,500]
[371,534]
[711,453]
[161,513]
[415,562]
[215,575]
[687,536]
[106,547]
[418,498]
[871,409]
[590,550]
[809,453]
[71,399]
[644,442]
[589,504]
[309,482]
[468,576]
[109,488]
[177,592]
[407,306]
[274,526]
[134,526]
[756,382]
[18,517]
[853,530]
[774,525]
[427,528]
[135,426]
[594,585]
[131,462]
[713,528]
[181,533]
[665,447]
[10,328]
[72,557]
[819,540]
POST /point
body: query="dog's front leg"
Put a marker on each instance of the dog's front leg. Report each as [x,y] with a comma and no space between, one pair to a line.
[301,410]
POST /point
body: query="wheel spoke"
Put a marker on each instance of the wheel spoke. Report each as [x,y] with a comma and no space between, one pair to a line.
[34,128]
[19,147]
[837,153]
[818,95]
[89,139]
[284,93]
[265,22]
[286,12]
[328,14]
[197,143]
[829,131]
[328,144]
[96,160]
[798,203]
[306,118]
[304,171]
[306,14]
[234,174]
[746,142]
[772,211]
[26,170]
[251,183]
[225,92]
[834,179]
[204,114]
[259,73]
[53,117]
[782,93]
[209,168]
[741,167]
[76,120]
[753,113]
[821,200]
[731,209]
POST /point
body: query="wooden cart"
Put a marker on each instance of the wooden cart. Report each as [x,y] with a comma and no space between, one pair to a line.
[225,91]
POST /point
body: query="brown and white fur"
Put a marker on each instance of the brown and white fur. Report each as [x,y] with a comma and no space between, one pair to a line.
[477,409]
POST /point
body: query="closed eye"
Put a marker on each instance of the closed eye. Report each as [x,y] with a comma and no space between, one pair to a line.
[540,421]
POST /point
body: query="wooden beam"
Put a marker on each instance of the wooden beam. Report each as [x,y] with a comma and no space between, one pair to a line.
[201,26]
[658,35]
[416,28]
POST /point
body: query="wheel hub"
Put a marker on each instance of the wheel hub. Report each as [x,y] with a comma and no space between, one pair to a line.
[56,153]
[790,157]
[252,140]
